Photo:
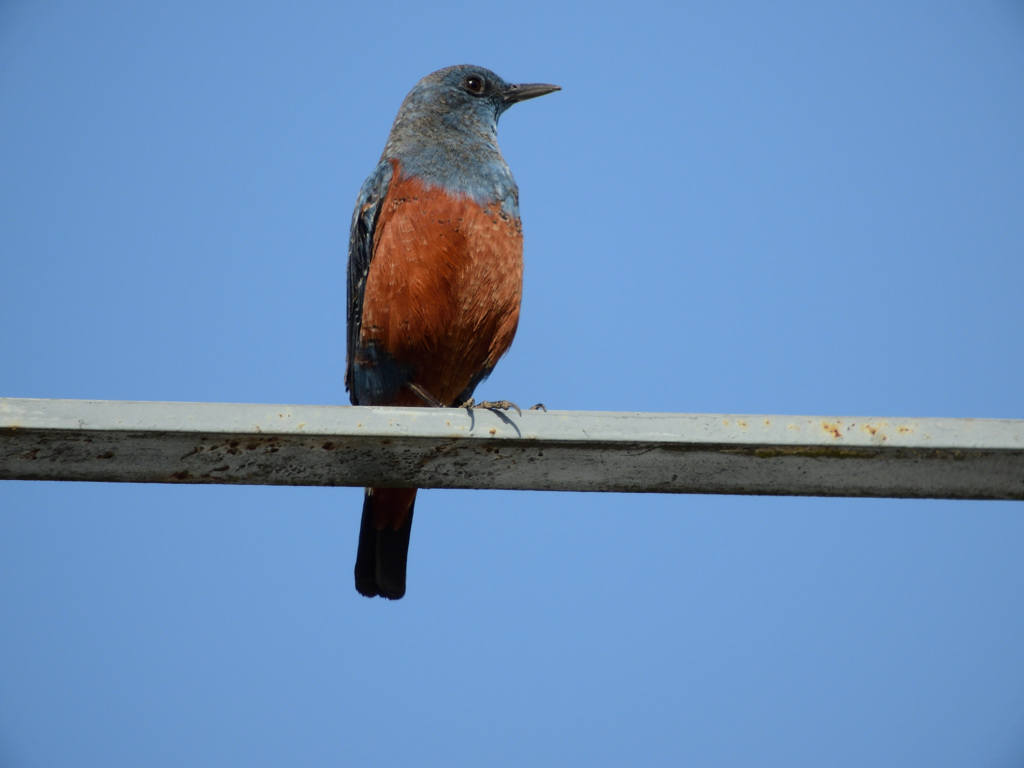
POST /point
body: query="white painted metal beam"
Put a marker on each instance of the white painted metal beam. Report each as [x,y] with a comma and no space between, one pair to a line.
[150,442]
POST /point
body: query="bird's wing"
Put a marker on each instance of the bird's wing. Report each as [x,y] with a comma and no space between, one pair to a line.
[360,252]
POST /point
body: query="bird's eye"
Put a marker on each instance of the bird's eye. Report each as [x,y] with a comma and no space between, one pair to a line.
[475,84]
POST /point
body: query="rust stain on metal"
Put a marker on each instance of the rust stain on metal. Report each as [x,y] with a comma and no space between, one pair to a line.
[832,429]
[741,424]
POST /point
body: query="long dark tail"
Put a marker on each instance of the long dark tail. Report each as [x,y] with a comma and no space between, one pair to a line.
[384,541]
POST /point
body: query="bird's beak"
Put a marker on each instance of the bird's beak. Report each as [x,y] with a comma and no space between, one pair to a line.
[525,91]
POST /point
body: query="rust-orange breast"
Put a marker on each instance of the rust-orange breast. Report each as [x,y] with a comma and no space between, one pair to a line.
[444,286]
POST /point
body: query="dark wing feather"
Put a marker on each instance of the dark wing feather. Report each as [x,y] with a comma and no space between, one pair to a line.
[360,253]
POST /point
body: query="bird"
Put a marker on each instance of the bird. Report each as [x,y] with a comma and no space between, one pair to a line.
[434,279]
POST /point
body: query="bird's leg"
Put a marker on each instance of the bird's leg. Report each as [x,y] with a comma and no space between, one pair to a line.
[423,395]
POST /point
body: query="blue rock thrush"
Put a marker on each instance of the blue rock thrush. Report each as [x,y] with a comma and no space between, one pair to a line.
[435,275]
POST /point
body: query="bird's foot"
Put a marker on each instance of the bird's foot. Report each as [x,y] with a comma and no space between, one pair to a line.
[538,407]
[492,405]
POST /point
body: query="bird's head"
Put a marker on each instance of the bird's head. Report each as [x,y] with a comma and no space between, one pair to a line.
[464,98]
[466,89]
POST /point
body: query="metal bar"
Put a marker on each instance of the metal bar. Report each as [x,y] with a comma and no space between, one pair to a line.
[151,442]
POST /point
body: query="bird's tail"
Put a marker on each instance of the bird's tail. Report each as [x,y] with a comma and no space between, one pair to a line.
[384,542]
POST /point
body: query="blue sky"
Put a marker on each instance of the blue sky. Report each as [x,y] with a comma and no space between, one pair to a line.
[787,208]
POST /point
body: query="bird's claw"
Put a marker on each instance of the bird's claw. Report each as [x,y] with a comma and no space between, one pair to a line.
[492,405]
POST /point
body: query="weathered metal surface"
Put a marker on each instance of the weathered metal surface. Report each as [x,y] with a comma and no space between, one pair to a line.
[150,442]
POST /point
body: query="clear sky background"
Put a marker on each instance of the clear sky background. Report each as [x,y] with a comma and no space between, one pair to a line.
[736,207]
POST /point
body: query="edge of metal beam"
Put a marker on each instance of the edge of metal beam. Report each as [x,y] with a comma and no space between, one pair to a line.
[128,441]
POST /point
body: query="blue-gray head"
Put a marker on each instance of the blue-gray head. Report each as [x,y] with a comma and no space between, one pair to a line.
[457,105]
